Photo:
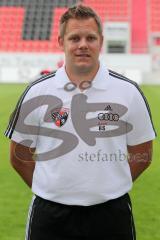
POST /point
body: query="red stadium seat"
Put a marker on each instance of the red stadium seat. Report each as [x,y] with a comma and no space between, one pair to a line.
[154,16]
[110,9]
[12,23]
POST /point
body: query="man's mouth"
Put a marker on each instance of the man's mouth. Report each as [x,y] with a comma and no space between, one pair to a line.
[83,55]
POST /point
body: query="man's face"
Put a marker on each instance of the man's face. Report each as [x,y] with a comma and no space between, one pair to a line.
[81,44]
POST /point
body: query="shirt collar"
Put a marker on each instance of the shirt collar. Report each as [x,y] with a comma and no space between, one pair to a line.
[61,77]
[100,81]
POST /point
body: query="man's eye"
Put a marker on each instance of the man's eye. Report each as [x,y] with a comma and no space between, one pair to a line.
[91,38]
[74,39]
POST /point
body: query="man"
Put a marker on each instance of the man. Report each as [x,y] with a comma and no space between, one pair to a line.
[80,137]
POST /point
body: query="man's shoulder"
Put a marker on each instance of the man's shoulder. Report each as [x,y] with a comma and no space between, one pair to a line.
[43,78]
[122,78]
[124,83]
[39,86]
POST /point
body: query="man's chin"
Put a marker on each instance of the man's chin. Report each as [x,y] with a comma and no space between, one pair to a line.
[83,68]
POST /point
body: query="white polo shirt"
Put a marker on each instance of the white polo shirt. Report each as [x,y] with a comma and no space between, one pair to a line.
[81,138]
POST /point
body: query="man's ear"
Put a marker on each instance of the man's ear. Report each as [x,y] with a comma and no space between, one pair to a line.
[60,42]
[102,38]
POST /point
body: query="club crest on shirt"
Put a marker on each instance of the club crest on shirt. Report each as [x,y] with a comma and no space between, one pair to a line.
[60,116]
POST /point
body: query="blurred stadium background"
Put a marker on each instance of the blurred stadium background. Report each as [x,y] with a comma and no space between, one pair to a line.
[29,28]
[28,45]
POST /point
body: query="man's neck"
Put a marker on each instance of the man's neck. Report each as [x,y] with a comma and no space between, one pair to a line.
[78,77]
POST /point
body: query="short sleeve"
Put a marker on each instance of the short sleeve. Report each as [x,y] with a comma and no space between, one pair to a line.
[23,125]
[139,116]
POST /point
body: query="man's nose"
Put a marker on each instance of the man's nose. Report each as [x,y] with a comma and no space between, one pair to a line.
[83,43]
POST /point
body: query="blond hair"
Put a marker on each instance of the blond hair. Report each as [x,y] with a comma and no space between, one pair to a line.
[79,12]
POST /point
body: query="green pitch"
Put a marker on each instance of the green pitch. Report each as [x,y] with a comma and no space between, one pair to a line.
[15,195]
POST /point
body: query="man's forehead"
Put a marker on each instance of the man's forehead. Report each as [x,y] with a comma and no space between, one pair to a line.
[81,24]
[83,32]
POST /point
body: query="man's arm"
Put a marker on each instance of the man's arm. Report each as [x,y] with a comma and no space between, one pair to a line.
[21,158]
[140,157]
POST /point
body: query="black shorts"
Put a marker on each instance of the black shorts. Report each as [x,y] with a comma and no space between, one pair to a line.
[111,220]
